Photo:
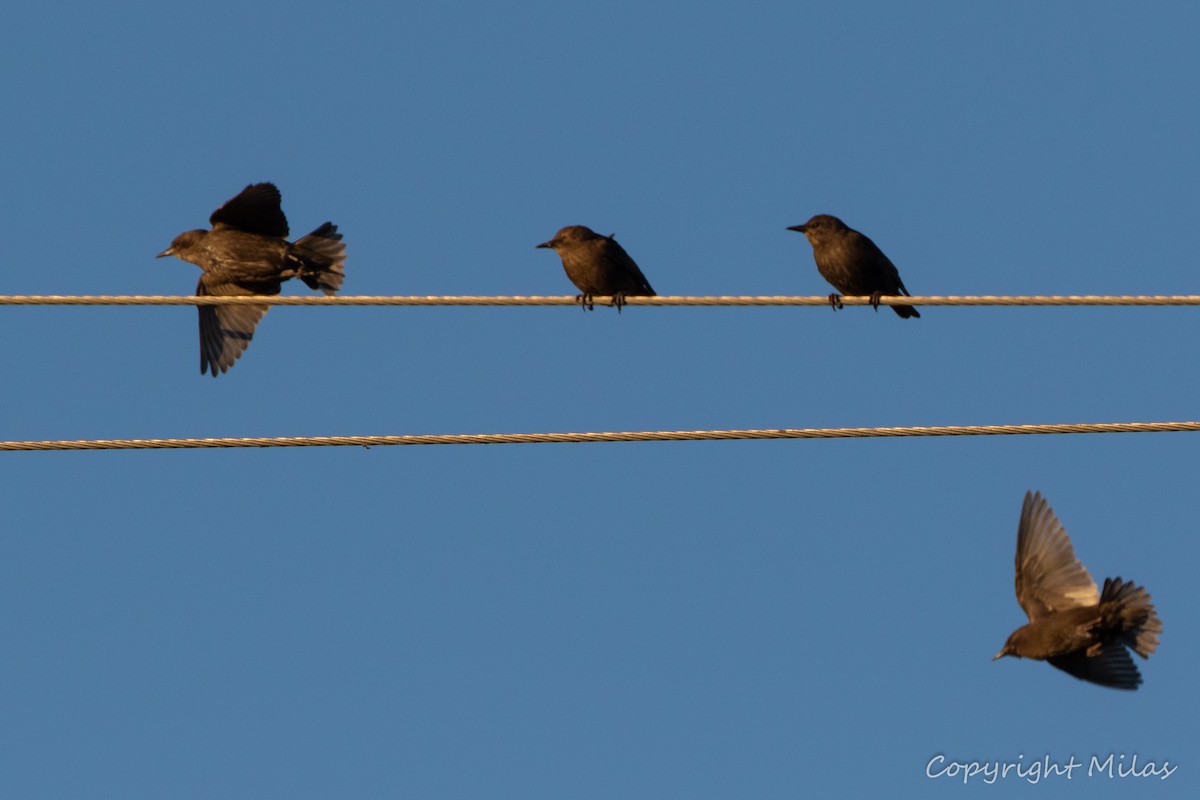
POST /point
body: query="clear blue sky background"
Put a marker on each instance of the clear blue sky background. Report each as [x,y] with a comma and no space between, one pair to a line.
[742,619]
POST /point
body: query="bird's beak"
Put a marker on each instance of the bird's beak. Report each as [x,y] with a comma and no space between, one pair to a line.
[797,228]
[999,655]
[170,251]
[549,244]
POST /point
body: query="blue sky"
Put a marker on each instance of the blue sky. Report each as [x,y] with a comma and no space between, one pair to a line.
[755,619]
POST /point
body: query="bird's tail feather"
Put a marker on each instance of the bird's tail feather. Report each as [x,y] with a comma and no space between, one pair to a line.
[905,311]
[321,257]
[1133,615]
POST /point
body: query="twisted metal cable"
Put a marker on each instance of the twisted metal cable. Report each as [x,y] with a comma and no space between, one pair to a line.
[557,300]
[602,436]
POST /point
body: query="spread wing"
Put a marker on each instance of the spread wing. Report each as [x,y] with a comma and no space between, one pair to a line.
[256,209]
[1112,666]
[1049,576]
[225,331]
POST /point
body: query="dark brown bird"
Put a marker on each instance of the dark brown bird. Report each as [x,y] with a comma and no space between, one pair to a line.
[852,263]
[598,265]
[247,253]
[1071,625]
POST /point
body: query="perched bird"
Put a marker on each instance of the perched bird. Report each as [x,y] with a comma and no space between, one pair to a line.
[1076,629]
[598,265]
[247,253]
[852,263]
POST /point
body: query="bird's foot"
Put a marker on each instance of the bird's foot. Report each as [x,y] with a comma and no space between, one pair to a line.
[835,301]
[618,300]
[585,301]
[875,301]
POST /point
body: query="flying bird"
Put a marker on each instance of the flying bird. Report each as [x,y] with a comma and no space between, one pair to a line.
[247,253]
[852,263]
[1077,629]
[596,264]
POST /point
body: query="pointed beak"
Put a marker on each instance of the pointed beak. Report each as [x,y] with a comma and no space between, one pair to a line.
[170,251]
[999,655]
[797,228]
[548,245]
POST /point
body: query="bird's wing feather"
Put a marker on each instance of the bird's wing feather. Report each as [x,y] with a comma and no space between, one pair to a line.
[1049,576]
[225,331]
[883,274]
[256,209]
[1112,666]
[630,272]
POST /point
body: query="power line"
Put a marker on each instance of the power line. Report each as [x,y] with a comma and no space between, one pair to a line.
[602,436]
[559,300]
